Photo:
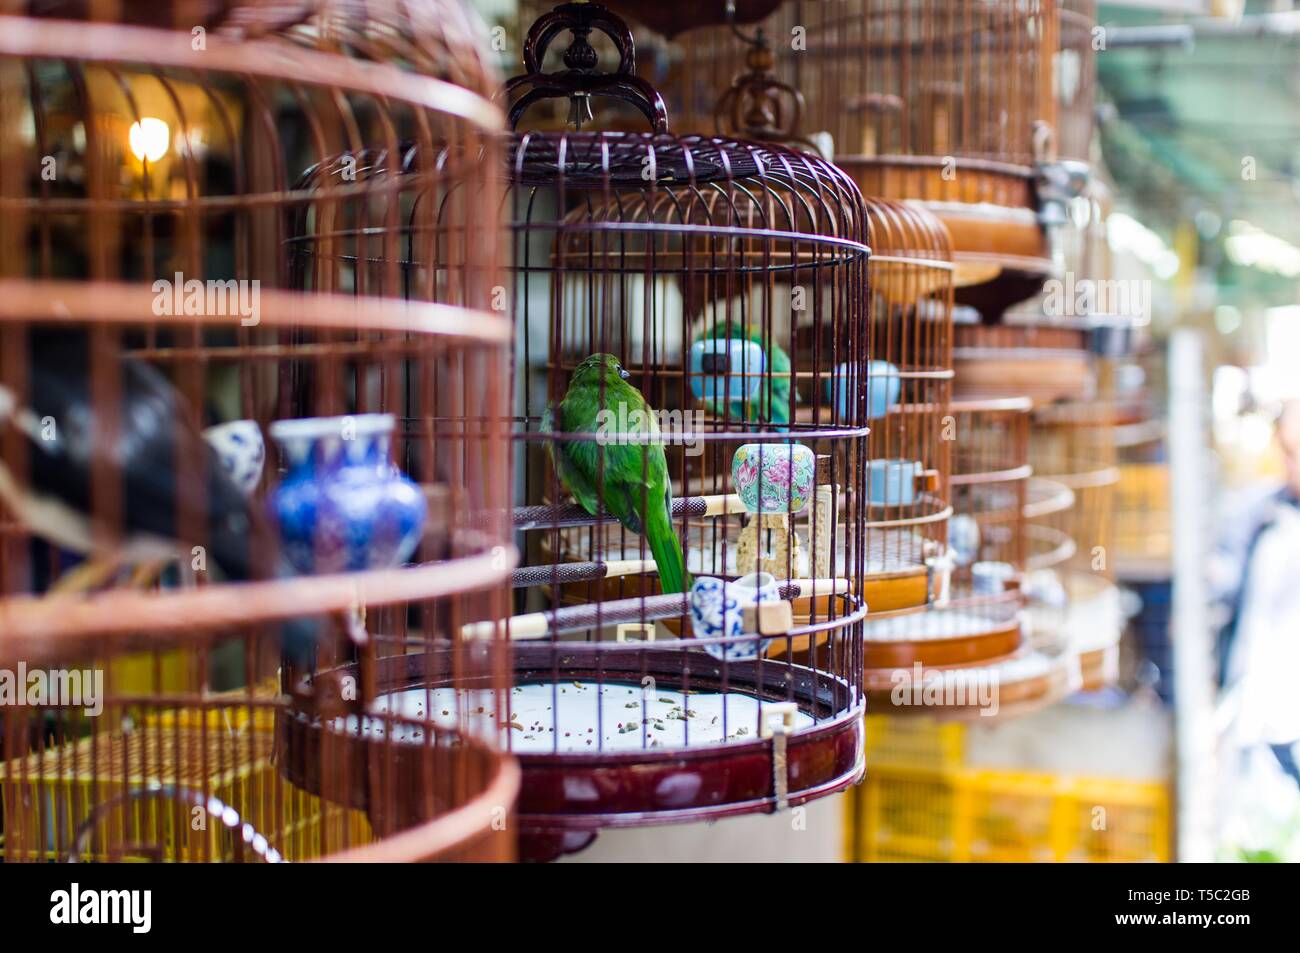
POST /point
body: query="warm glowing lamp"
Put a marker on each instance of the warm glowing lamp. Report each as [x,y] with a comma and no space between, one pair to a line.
[149,139]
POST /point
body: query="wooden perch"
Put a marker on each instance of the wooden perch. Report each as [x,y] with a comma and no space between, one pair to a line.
[539,625]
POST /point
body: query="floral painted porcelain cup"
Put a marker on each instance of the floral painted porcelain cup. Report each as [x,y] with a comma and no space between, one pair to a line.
[773,477]
[718,611]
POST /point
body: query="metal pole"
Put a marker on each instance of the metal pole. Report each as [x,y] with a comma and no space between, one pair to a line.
[1190,633]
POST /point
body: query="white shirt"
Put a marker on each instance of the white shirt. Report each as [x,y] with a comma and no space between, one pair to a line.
[1265,661]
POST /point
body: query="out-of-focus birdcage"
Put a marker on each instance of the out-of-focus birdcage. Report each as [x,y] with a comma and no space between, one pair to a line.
[941,101]
[908,396]
[177,259]
[1074,78]
[998,640]
[1073,451]
[724,435]
[1045,362]
[990,478]
[910,249]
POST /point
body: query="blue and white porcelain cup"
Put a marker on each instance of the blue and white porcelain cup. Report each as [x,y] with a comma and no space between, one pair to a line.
[990,577]
[718,611]
[241,451]
[893,481]
[884,387]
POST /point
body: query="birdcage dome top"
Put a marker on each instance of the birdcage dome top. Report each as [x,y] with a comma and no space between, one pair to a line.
[641,160]
[694,183]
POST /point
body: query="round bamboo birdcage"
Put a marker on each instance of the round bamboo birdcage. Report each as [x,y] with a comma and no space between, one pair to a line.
[942,102]
[177,261]
[1073,451]
[1006,687]
[991,474]
[1074,78]
[956,654]
[726,280]
[1045,362]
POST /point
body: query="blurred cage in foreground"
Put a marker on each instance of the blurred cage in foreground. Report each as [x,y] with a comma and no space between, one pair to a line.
[186,167]
[177,776]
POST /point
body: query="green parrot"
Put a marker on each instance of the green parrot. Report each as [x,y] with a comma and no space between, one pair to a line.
[773,408]
[635,485]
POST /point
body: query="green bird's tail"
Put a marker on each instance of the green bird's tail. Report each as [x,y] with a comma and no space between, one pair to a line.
[666,549]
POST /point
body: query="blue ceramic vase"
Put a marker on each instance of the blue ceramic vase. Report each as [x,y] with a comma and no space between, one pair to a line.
[342,505]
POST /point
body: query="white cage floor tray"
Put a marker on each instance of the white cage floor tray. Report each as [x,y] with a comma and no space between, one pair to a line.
[930,626]
[580,717]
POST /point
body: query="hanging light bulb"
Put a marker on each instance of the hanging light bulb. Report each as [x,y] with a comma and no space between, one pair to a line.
[149,139]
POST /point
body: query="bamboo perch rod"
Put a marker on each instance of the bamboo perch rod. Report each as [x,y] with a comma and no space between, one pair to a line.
[538,625]
[571,514]
[560,573]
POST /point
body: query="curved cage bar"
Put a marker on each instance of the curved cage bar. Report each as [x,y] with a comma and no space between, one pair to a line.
[241,439]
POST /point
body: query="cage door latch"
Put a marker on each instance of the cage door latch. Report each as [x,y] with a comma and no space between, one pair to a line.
[777,723]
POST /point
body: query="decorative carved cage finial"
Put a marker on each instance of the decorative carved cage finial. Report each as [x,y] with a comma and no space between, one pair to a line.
[582,79]
[759,106]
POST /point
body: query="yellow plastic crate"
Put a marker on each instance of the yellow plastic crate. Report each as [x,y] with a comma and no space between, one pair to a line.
[1142,522]
[989,815]
[1011,817]
[45,797]
[914,742]
[903,814]
[1116,821]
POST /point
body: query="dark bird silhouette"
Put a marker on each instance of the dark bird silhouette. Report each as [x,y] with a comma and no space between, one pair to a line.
[57,420]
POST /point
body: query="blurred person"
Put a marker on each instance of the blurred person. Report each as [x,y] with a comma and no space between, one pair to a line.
[1255,579]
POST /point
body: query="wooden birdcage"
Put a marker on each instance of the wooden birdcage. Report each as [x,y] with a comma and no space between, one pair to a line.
[944,102]
[990,479]
[727,280]
[1045,362]
[177,259]
[1074,78]
[951,626]
[974,629]
[1073,451]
